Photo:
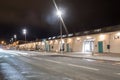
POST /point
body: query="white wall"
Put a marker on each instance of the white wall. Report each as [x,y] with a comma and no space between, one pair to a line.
[77,45]
[115,44]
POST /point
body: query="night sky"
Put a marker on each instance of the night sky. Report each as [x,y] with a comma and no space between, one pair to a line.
[39,18]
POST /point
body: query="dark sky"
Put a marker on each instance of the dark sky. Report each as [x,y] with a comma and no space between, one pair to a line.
[38,16]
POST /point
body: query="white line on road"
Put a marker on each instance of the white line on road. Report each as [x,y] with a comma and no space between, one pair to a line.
[73,65]
[31,76]
[83,67]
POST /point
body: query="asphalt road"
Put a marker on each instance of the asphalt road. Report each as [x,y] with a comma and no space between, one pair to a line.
[14,66]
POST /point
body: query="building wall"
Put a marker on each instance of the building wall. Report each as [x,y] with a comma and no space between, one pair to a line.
[115,42]
[56,46]
[76,43]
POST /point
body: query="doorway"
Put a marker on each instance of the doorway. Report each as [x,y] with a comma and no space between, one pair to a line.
[100,46]
[88,45]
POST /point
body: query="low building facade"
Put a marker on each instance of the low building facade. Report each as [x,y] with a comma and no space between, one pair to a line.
[107,42]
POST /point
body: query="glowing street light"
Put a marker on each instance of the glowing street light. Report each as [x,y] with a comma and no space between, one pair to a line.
[12,39]
[59,13]
[24,32]
[15,36]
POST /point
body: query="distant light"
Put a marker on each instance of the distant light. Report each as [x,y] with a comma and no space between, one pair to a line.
[64,35]
[49,38]
[24,31]
[11,39]
[2,42]
[70,35]
[15,36]
[17,42]
[97,30]
[53,37]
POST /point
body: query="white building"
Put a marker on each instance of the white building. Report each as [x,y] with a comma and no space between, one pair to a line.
[106,40]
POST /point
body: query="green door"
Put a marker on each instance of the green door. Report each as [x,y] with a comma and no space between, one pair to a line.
[100,47]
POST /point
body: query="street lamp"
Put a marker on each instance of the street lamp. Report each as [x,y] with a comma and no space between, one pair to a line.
[59,14]
[15,37]
[25,32]
[11,39]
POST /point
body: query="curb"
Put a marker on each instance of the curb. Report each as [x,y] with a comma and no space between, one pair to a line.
[91,58]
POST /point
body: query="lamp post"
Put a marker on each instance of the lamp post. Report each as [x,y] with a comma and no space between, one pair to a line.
[15,37]
[25,32]
[11,40]
[59,14]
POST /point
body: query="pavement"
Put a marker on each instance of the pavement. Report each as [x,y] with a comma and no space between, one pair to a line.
[98,56]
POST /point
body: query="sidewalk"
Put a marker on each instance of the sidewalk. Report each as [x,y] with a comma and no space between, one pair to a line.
[97,56]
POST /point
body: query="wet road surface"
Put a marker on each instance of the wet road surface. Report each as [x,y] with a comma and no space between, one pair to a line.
[14,66]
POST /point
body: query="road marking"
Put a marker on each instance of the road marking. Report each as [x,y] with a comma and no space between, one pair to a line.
[73,65]
[31,76]
[90,68]
[53,61]
[24,72]
[90,60]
